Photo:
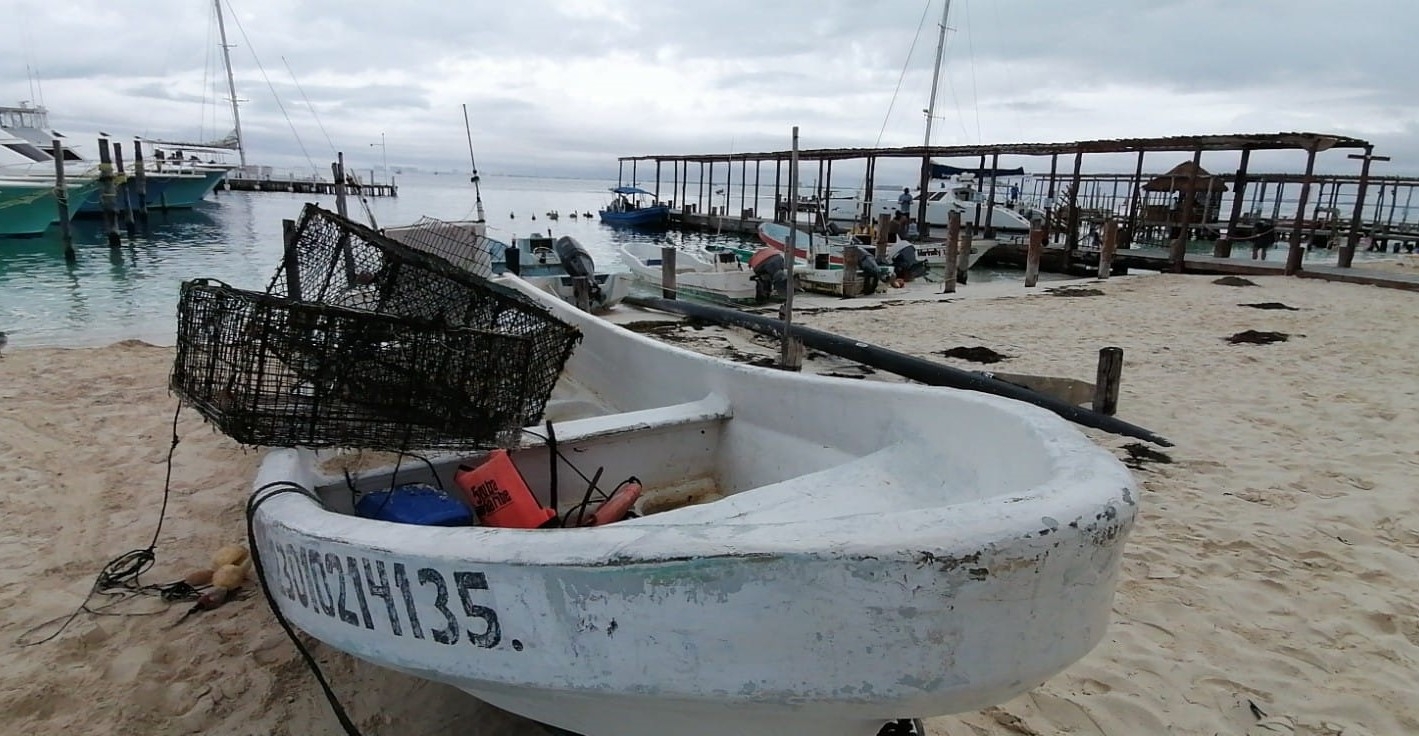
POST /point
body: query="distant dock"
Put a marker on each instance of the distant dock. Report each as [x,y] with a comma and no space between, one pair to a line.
[308,186]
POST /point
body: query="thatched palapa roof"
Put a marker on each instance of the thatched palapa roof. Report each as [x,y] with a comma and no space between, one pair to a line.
[1176,180]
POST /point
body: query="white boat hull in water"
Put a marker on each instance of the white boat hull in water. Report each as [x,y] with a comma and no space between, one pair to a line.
[724,279]
[881,551]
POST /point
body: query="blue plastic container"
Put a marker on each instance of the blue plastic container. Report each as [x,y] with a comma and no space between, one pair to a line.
[415,503]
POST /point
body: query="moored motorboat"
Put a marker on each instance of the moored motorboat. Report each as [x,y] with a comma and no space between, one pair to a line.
[632,205]
[863,551]
[550,264]
[723,278]
[28,206]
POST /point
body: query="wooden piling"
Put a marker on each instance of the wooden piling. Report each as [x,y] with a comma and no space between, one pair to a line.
[1108,248]
[1107,380]
[989,231]
[1347,251]
[61,201]
[953,236]
[290,259]
[1178,247]
[963,258]
[581,293]
[1032,256]
[880,238]
[1223,247]
[1296,254]
[338,169]
[1049,196]
[1071,235]
[140,183]
[125,198]
[667,271]
[852,282]
[108,196]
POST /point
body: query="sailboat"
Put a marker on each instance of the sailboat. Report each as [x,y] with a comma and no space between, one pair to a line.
[960,192]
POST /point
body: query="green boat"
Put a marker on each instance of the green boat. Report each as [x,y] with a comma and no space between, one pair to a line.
[27,206]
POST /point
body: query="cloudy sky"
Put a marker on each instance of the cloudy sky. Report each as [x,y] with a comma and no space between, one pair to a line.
[563,87]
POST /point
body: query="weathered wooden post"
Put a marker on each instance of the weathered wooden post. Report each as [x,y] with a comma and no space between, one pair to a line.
[989,232]
[1032,256]
[1071,235]
[140,182]
[851,283]
[667,271]
[338,170]
[125,199]
[880,239]
[581,293]
[1177,253]
[1296,254]
[61,200]
[1223,247]
[1347,252]
[963,257]
[953,236]
[1107,380]
[108,196]
[290,259]
[1049,195]
[790,347]
[1110,245]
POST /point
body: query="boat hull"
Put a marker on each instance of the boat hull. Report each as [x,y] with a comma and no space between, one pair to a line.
[868,566]
[694,278]
[644,216]
[164,191]
[27,209]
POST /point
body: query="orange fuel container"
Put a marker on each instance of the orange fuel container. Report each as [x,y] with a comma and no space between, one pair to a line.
[499,495]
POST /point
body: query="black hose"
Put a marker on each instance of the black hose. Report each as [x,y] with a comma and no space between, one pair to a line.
[907,366]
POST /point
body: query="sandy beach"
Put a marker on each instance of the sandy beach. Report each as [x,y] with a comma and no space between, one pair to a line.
[1267,588]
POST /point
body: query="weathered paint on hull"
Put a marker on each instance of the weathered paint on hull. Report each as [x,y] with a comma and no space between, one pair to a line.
[881,559]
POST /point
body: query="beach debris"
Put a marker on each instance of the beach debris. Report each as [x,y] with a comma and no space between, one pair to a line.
[1139,454]
[1074,291]
[1256,337]
[229,577]
[1271,305]
[198,578]
[977,354]
[1233,281]
[232,554]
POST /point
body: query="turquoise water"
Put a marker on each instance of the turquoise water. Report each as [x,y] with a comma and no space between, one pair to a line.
[235,237]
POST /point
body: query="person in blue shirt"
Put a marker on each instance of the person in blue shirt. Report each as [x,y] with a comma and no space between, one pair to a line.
[904,202]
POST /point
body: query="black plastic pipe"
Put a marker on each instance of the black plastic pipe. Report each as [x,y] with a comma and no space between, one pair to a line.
[907,366]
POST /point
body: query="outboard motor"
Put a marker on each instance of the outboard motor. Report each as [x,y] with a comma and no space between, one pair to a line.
[869,270]
[577,262]
[905,264]
[770,274]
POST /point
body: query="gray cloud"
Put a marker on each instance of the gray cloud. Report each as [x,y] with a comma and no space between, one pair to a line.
[566,86]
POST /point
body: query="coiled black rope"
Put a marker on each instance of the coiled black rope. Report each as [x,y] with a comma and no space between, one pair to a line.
[120,576]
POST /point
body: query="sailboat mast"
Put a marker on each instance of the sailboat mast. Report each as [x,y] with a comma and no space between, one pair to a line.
[930,116]
[936,72]
[231,81]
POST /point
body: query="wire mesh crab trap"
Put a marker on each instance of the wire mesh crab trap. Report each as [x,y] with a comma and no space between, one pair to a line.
[362,342]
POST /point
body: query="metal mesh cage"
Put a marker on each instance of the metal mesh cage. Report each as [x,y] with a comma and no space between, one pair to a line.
[363,342]
[460,243]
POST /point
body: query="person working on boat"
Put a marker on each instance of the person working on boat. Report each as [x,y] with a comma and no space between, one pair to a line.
[904,202]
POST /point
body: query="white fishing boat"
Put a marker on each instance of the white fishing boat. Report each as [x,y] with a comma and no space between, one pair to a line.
[860,552]
[722,278]
[960,195]
[550,264]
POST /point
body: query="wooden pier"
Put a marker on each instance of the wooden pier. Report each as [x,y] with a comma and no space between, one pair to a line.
[308,186]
